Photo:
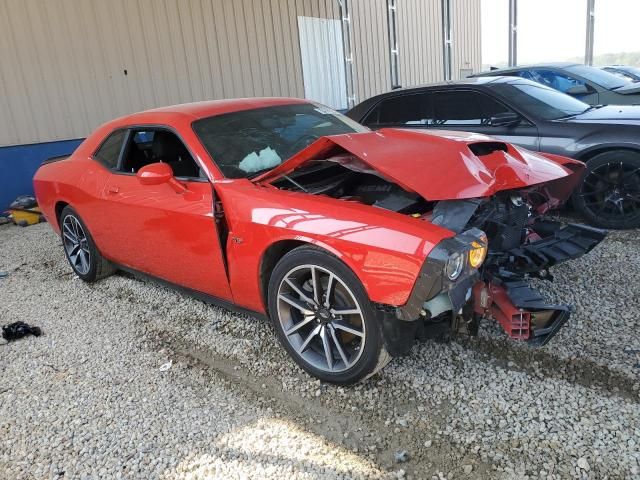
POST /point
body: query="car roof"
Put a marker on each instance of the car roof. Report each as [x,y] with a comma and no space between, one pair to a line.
[505,70]
[470,81]
[475,80]
[197,110]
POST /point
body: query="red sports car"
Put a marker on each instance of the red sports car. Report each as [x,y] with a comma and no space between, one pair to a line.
[286,209]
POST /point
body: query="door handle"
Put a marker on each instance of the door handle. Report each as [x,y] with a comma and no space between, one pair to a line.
[114,189]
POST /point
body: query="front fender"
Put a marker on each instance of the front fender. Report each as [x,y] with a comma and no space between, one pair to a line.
[385,250]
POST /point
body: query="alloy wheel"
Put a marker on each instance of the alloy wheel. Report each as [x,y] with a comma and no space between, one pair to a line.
[612,190]
[76,244]
[321,318]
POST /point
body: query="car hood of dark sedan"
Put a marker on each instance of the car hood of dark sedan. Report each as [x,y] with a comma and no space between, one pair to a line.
[629,89]
[610,114]
[438,165]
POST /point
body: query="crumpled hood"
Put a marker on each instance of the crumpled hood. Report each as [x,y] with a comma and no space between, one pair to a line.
[437,165]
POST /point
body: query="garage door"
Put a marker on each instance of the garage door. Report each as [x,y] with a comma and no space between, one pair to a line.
[322,54]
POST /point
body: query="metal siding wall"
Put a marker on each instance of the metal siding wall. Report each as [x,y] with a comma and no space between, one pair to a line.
[63,62]
[420,41]
[466,24]
[370,47]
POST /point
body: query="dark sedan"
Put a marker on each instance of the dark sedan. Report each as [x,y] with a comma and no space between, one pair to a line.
[538,118]
[592,85]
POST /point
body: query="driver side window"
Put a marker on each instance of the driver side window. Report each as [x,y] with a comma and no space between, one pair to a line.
[465,107]
[151,145]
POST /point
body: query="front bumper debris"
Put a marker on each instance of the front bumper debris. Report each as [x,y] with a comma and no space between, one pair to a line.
[520,310]
[504,294]
[432,280]
[558,244]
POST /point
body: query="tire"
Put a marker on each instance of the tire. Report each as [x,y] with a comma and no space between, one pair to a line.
[609,194]
[354,340]
[80,249]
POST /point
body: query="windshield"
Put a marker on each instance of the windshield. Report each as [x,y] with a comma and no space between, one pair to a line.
[604,79]
[542,102]
[247,142]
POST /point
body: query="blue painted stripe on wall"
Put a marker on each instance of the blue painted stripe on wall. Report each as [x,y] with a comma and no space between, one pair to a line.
[18,163]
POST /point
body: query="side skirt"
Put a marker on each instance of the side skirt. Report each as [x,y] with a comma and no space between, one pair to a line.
[203,297]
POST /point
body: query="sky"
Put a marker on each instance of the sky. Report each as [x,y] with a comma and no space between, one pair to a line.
[555,30]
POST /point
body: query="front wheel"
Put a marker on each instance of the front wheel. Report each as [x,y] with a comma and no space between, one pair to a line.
[609,195]
[323,317]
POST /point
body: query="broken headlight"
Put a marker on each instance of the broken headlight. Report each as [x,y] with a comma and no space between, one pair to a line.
[455,265]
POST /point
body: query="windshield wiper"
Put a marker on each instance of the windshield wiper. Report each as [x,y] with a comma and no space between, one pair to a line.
[295,183]
[588,109]
[591,107]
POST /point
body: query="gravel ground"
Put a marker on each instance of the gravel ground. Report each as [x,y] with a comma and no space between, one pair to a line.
[88,399]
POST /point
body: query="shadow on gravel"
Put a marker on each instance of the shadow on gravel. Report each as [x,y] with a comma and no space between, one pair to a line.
[542,363]
[239,448]
[363,429]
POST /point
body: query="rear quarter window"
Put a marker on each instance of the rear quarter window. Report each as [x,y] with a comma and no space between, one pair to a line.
[109,152]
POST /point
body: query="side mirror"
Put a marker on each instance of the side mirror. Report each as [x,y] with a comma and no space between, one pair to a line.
[505,119]
[578,90]
[155,174]
[159,173]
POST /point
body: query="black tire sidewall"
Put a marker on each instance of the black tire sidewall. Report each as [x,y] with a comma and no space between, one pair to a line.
[95,257]
[625,156]
[373,342]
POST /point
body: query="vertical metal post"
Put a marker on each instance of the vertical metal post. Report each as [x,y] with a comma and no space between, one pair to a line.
[392,30]
[588,52]
[513,33]
[345,15]
[447,38]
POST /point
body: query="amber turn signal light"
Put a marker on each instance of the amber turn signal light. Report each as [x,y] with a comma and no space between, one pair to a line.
[477,254]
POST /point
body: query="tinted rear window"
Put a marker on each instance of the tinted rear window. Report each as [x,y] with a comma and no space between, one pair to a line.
[109,151]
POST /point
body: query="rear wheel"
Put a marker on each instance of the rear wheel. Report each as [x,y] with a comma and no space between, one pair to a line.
[609,195]
[80,249]
[323,317]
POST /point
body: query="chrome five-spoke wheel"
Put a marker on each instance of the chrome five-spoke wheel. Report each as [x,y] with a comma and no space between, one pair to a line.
[76,244]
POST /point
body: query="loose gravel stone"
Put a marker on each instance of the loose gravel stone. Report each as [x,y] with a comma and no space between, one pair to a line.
[88,398]
[401,456]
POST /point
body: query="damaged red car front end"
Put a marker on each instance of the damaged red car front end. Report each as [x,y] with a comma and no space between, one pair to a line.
[461,182]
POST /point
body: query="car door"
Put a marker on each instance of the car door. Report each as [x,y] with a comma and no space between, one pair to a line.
[167,233]
[474,111]
[452,109]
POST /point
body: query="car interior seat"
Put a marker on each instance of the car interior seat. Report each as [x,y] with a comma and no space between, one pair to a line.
[167,148]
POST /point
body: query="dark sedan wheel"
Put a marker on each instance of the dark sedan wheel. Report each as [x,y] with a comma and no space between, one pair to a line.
[79,248]
[609,195]
[323,317]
